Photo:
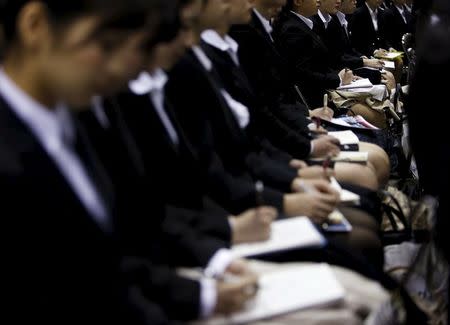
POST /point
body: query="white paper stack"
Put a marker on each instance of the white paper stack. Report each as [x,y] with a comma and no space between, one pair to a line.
[298,232]
[286,291]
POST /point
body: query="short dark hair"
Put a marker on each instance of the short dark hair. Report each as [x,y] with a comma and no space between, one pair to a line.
[120,14]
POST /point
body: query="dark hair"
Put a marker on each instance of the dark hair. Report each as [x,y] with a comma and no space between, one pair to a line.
[288,6]
[120,14]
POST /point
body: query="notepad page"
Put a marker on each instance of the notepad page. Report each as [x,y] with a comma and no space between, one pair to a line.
[345,137]
[289,290]
[360,83]
[346,196]
[297,232]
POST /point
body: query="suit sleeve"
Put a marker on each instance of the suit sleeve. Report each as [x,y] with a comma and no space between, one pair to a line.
[299,52]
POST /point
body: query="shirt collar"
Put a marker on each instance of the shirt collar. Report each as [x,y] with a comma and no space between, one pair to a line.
[222,43]
[408,8]
[50,126]
[264,21]
[400,9]
[372,12]
[326,18]
[148,82]
[202,57]
[342,19]
[307,21]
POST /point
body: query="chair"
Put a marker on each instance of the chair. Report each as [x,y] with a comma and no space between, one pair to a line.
[408,44]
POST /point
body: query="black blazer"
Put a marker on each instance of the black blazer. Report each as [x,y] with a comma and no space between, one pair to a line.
[266,69]
[341,51]
[396,26]
[338,43]
[363,35]
[266,127]
[60,267]
[172,218]
[211,128]
[267,72]
[307,56]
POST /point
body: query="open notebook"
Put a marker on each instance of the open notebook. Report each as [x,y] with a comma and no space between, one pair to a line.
[353,122]
[288,290]
[347,156]
[347,139]
[360,83]
[298,232]
[347,197]
[390,55]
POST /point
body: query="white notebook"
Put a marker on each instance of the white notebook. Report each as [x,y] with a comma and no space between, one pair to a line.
[347,196]
[297,232]
[288,290]
[345,137]
[348,156]
[389,64]
[360,83]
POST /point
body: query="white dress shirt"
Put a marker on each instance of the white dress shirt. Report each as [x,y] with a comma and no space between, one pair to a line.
[401,10]
[53,128]
[374,16]
[153,84]
[408,8]
[239,110]
[343,21]
[265,22]
[326,18]
[225,44]
[307,21]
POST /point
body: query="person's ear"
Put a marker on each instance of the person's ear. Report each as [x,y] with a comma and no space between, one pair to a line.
[32,25]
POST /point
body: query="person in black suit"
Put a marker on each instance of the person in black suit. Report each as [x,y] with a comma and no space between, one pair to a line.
[331,25]
[368,29]
[398,22]
[65,263]
[307,56]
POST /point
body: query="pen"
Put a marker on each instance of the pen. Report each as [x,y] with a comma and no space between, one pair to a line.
[317,121]
[259,189]
[325,101]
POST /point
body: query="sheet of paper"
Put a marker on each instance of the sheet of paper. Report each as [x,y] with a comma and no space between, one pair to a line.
[347,197]
[360,83]
[348,156]
[391,55]
[345,137]
[342,226]
[389,64]
[288,290]
[286,234]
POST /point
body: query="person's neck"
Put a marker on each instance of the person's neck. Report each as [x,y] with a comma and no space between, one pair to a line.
[25,76]
[324,13]
[222,30]
[371,7]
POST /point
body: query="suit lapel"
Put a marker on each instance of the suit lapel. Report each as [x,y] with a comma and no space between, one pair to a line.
[216,84]
[38,166]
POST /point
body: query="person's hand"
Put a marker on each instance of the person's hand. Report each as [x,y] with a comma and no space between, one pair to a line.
[380,53]
[253,225]
[298,164]
[388,79]
[233,294]
[346,76]
[324,113]
[240,267]
[373,63]
[324,146]
[315,172]
[314,204]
